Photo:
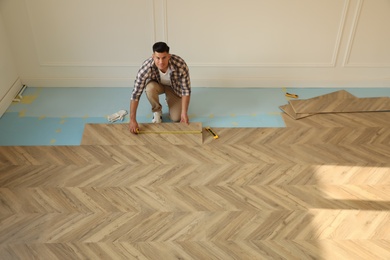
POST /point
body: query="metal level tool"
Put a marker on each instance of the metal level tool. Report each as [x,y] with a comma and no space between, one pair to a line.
[208,129]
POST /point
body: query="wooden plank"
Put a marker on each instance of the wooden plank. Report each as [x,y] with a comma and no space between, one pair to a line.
[159,134]
[349,120]
[301,106]
[342,106]
[336,103]
[288,110]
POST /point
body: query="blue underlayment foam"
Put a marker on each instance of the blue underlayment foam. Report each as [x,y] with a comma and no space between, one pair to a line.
[56,116]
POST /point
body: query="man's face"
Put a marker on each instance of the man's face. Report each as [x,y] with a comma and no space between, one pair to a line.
[161,60]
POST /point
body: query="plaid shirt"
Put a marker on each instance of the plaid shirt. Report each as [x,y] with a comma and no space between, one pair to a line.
[180,77]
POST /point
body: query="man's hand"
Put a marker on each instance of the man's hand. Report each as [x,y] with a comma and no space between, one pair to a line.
[185,101]
[184,118]
[133,127]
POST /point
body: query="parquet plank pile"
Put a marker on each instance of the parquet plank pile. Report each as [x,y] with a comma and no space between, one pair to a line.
[336,102]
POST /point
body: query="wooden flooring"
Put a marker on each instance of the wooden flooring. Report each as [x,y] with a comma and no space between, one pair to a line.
[317,189]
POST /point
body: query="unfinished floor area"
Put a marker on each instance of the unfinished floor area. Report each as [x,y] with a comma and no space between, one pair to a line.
[57,116]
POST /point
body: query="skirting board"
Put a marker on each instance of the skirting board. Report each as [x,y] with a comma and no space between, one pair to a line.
[6,101]
[245,82]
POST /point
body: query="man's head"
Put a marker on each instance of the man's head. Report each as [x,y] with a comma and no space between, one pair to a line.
[160,47]
[161,55]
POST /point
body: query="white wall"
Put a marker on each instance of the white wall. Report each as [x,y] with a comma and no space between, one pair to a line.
[248,43]
[9,83]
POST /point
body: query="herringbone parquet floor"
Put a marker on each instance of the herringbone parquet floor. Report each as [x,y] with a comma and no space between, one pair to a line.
[311,190]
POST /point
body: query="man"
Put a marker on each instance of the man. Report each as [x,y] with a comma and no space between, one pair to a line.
[162,73]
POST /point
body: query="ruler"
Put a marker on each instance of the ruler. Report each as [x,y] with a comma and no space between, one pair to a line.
[170,132]
[170,129]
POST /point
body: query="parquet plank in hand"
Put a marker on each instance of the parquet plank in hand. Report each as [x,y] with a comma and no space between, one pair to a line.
[161,134]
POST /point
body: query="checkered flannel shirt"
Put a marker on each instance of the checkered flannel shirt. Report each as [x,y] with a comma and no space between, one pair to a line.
[180,77]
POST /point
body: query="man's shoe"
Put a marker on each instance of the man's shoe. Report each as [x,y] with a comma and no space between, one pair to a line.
[157,117]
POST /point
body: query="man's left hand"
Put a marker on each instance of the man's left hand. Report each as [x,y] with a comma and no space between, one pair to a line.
[184,119]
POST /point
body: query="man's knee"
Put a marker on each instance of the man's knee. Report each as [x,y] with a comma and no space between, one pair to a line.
[175,117]
[152,86]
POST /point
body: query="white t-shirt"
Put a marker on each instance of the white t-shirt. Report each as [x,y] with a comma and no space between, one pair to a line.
[165,78]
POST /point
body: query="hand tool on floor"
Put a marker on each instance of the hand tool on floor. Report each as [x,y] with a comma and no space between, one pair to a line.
[208,129]
[291,95]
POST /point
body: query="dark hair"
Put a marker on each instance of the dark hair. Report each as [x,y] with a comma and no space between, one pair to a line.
[160,47]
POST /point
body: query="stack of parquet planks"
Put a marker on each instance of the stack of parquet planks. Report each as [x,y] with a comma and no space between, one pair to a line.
[335,103]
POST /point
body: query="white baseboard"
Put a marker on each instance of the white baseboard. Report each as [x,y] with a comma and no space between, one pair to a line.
[261,82]
[79,82]
[6,101]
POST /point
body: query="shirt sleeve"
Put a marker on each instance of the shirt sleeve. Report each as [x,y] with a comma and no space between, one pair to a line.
[139,83]
[186,82]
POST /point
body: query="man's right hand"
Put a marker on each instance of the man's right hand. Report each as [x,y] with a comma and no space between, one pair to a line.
[133,127]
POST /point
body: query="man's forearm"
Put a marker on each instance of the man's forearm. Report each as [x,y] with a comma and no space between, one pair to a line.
[185,102]
[133,110]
